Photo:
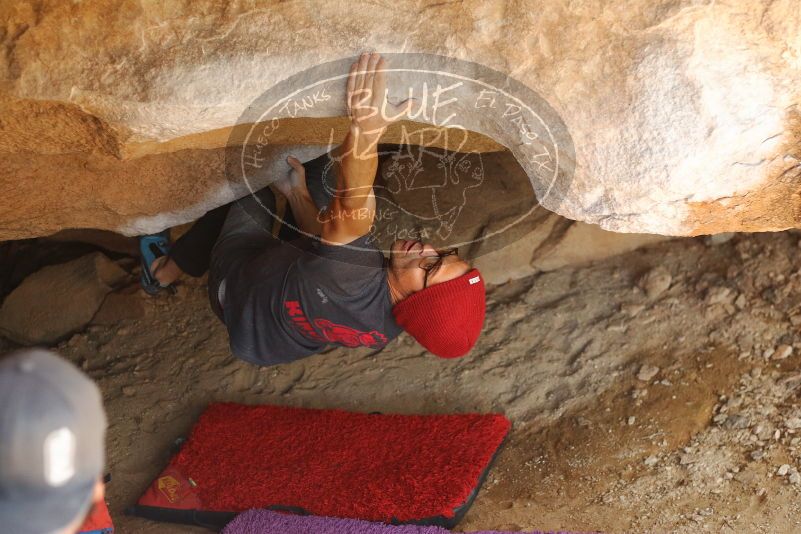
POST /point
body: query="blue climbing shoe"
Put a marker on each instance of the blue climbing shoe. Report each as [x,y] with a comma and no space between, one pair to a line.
[152,247]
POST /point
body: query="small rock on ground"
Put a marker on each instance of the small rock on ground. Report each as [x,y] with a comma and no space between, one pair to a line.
[655,282]
[647,372]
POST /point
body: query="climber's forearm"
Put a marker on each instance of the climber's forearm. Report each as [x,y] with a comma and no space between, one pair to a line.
[305,211]
[351,212]
[357,166]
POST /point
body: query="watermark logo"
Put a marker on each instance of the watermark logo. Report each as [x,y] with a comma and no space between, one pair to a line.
[469,164]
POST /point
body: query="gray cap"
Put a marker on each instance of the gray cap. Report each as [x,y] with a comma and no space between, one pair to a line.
[52,442]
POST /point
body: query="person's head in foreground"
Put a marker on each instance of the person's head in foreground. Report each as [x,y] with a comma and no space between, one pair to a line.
[439,298]
[52,434]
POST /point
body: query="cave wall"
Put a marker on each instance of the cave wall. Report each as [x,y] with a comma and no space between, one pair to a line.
[683,115]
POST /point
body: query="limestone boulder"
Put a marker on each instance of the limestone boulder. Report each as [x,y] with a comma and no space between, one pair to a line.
[555,242]
[59,299]
[682,116]
[120,306]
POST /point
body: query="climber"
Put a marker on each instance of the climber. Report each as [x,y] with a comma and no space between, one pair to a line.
[282,300]
[52,448]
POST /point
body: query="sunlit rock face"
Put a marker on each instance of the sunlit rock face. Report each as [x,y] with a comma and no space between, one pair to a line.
[682,116]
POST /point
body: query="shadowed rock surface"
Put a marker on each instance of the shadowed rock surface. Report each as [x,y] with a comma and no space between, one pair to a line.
[58,300]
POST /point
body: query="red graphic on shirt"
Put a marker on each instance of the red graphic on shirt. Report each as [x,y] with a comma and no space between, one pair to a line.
[300,322]
[332,332]
[350,337]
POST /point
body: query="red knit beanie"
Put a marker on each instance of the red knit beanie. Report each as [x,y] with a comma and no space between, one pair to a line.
[445,318]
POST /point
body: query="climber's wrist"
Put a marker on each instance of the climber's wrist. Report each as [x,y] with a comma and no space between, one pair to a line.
[359,131]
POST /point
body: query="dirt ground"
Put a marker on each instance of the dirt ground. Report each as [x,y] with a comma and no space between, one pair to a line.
[635,407]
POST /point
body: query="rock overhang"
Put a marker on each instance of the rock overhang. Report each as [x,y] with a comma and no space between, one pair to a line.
[681,115]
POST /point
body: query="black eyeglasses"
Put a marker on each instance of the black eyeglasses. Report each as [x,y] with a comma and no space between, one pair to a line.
[436,264]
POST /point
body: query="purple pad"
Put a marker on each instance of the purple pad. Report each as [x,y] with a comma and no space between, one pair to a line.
[267,522]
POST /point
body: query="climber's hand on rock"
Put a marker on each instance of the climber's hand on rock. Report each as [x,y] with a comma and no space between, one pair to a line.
[369,110]
[295,179]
